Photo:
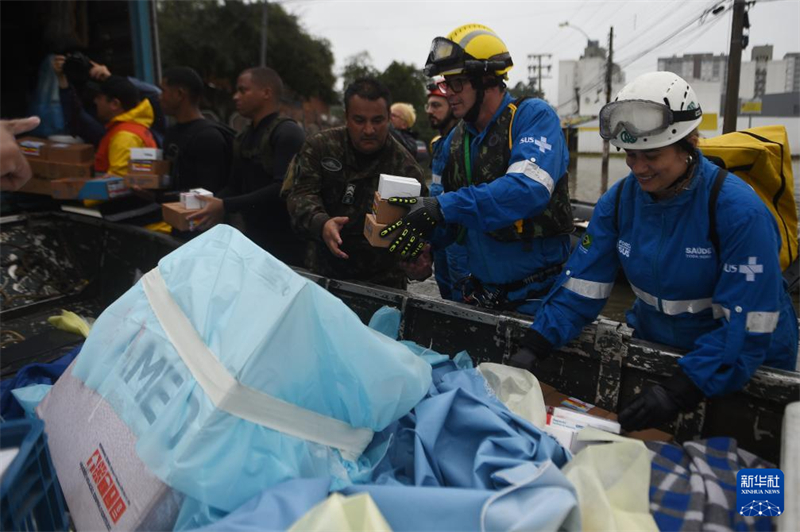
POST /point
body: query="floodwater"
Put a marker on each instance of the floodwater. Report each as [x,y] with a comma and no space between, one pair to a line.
[587,185]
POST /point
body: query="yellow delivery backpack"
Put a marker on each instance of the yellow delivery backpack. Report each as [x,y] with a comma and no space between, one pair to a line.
[760,156]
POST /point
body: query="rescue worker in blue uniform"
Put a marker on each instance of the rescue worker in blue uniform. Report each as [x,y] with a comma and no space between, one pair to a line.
[450,263]
[716,291]
[506,197]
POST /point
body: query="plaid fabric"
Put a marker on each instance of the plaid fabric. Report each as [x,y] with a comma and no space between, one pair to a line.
[693,487]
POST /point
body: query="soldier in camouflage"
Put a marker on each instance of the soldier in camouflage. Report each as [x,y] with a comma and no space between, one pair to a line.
[506,197]
[331,185]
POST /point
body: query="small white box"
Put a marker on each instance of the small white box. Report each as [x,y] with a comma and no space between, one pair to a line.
[146,154]
[570,419]
[395,186]
[191,200]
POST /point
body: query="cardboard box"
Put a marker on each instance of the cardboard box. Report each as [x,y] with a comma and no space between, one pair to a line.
[149,181]
[103,188]
[175,215]
[372,231]
[392,185]
[58,170]
[146,154]
[33,147]
[145,167]
[37,185]
[58,152]
[39,167]
[106,485]
[385,213]
[553,398]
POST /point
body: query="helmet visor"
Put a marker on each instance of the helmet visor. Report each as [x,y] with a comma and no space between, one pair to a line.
[444,55]
[639,118]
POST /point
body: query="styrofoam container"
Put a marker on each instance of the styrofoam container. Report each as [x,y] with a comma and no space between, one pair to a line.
[396,186]
[106,485]
[146,154]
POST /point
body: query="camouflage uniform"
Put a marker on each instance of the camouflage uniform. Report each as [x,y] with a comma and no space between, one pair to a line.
[328,178]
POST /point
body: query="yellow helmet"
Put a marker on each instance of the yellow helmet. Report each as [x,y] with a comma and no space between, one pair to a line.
[470,49]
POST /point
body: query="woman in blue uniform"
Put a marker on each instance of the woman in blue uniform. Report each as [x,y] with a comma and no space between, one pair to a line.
[721,297]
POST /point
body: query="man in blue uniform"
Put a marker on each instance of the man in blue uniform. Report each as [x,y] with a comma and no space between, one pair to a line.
[506,198]
[704,265]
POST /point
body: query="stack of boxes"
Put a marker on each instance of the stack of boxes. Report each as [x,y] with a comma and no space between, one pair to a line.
[35,151]
[566,416]
[64,171]
[384,214]
[147,169]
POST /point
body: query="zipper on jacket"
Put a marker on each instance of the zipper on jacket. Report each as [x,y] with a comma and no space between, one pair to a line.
[656,270]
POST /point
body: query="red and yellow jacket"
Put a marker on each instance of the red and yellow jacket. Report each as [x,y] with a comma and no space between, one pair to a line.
[125,131]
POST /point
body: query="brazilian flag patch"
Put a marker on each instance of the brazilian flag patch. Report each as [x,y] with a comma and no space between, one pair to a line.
[586,242]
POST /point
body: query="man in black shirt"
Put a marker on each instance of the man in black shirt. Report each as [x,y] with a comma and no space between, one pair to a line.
[197,148]
[262,153]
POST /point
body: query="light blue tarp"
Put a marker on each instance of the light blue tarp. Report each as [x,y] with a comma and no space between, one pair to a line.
[459,461]
[272,330]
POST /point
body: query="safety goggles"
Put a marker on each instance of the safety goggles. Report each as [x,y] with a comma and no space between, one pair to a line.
[445,55]
[641,118]
[453,85]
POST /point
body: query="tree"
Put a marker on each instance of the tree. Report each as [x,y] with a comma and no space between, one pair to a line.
[220,39]
[358,66]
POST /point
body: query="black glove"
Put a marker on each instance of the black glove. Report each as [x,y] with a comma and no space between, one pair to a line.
[533,349]
[423,215]
[661,403]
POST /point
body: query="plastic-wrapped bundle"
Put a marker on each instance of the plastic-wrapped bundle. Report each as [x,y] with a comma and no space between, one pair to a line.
[235,373]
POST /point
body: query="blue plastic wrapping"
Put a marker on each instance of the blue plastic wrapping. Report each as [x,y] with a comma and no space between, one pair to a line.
[272,330]
[459,461]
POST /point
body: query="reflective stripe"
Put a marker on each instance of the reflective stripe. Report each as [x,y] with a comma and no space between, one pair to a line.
[436,179]
[680,306]
[720,311]
[533,171]
[590,289]
[762,322]
[233,397]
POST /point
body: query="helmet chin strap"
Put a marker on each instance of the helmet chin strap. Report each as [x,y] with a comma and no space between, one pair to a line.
[472,115]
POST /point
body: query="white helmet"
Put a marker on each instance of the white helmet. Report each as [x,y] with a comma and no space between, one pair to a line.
[654,110]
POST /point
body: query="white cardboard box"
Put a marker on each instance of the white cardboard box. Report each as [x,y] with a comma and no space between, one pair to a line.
[191,200]
[404,187]
[146,154]
[563,424]
[106,485]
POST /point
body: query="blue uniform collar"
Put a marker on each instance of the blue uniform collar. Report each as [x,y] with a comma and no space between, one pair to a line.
[507,99]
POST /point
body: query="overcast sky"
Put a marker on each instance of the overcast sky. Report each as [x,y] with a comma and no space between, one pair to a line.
[402,31]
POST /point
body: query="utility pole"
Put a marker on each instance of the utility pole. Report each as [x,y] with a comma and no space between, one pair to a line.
[264,8]
[535,71]
[734,68]
[609,77]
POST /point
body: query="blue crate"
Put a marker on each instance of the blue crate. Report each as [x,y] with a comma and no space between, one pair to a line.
[30,496]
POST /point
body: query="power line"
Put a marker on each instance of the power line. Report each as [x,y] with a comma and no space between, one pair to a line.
[597,82]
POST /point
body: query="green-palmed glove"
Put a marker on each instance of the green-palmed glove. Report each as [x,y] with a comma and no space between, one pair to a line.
[415,227]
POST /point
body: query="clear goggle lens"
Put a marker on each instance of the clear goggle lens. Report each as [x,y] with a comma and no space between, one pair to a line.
[639,118]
